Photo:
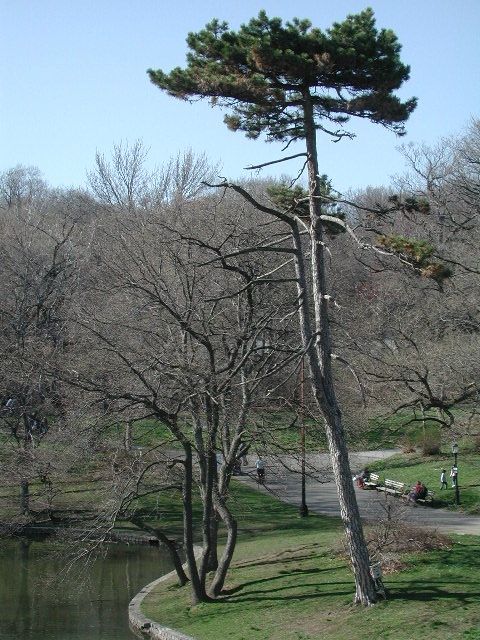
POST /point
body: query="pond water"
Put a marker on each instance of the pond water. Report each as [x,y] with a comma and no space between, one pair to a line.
[37,601]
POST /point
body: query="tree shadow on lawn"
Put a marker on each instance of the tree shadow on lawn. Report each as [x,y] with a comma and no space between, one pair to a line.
[264,589]
[427,591]
[284,557]
[281,561]
[418,591]
[459,568]
[460,584]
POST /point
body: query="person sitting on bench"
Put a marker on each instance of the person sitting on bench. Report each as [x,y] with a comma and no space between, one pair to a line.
[363,477]
[418,491]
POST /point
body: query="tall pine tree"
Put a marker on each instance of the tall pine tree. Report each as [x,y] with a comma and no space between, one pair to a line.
[288,81]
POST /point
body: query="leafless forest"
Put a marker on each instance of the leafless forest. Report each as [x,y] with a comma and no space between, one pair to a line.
[153,297]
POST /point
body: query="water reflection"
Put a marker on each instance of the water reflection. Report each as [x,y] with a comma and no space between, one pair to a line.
[84,605]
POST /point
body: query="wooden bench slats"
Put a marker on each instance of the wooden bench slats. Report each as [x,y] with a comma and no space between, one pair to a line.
[372,481]
[393,487]
[398,489]
[428,498]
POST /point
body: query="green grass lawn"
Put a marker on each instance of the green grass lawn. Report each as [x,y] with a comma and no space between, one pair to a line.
[290,580]
[403,428]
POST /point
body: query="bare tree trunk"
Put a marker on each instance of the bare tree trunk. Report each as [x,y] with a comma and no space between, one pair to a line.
[170,544]
[198,587]
[227,555]
[213,557]
[209,551]
[25,496]
[24,465]
[127,441]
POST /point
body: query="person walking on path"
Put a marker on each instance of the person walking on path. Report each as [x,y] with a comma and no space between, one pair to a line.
[453,475]
[443,480]
[260,466]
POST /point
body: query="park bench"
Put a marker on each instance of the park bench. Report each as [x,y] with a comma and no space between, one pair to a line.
[428,498]
[372,482]
[393,487]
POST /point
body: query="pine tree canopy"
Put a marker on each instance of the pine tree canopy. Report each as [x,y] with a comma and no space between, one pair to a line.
[267,73]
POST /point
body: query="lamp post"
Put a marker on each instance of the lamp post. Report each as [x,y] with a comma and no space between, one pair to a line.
[303,510]
[455,452]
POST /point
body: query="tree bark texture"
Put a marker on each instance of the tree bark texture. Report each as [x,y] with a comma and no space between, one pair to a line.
[318,349]
[170,545]
[198,588]
[227,555]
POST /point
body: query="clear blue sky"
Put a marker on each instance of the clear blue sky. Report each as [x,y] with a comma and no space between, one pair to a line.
[73,81]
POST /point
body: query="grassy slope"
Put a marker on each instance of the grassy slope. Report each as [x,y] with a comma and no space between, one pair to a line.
[290,581]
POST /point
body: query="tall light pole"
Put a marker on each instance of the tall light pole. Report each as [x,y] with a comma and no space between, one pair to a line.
[455,452]
[303,510]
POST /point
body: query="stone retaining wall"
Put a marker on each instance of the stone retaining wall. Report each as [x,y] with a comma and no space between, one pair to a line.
[146,627]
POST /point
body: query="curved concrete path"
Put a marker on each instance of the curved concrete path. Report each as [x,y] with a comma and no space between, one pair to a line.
[284,481]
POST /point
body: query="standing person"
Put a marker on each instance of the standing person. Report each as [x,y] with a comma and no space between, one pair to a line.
[260,466]
[453,476]
[443,480]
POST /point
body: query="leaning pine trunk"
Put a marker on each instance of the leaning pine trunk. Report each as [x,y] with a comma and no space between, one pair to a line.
[322,387]
[317,344]
[359,557]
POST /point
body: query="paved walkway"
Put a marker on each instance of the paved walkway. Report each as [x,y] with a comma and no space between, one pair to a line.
[284,481]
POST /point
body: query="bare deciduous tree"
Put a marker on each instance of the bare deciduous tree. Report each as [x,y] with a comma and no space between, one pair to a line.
[39,274]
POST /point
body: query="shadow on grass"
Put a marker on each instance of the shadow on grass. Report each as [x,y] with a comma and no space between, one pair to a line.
[427,591]
[267,592]
[281,516]
[459,568]
[419,591]
[288,554]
